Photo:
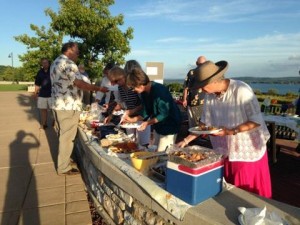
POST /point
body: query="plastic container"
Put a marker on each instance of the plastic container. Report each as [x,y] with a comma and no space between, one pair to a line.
[143,165]
[194,185]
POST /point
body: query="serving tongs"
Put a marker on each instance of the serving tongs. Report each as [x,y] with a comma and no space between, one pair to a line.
[153,154]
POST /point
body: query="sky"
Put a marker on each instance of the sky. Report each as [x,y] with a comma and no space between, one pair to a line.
[258,38]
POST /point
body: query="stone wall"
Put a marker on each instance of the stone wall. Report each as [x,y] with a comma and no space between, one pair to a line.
[114,204]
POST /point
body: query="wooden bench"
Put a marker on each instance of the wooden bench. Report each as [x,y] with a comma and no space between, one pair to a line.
[289,147]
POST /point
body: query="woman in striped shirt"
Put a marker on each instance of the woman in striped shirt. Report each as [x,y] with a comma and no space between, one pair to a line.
[129,100]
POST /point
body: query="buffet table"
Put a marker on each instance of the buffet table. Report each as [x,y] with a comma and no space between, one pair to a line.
[125,196]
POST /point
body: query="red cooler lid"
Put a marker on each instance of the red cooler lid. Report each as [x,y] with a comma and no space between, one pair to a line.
[201,169]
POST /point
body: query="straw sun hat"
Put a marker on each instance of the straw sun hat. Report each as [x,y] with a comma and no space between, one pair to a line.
[208,72]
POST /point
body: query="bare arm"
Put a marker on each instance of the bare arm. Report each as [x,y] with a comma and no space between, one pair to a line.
[147,123]
[89,87]
[187,140]
[36,91]
[135,110]
[185,91]
[249,125]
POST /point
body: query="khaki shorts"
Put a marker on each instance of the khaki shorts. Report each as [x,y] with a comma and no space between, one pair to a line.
[44,103]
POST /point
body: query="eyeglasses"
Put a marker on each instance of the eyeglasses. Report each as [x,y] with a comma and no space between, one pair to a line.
[115,80]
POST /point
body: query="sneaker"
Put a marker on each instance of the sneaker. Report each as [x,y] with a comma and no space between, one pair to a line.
[72,171]
[44,127]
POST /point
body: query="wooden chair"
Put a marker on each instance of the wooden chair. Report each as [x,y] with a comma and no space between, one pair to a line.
[288,147]
[271,144]
[184,123]
[275,109]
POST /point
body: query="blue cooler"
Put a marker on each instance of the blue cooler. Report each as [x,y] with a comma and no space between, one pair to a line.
[194,185]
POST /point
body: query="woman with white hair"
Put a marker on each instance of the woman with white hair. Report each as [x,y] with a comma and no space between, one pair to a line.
[232,106]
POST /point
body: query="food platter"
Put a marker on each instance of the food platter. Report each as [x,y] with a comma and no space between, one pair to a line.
[193,156]
[114,137]
[130,125]
[204,130]
[123,149]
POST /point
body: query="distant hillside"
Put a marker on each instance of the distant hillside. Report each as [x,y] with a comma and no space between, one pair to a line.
[274,80]
[249,80]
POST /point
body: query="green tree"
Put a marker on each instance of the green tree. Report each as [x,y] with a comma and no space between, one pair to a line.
[90,23]
[175,87]
[2,72]
[46,44]
[8,74]
[12,74]
[272,92]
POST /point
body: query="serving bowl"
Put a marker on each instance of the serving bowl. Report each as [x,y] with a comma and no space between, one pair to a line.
[143,165]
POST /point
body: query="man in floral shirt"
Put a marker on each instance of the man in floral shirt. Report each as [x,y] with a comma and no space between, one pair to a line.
[67,86]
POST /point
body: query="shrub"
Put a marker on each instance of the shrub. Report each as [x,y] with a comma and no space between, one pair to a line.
[272,92]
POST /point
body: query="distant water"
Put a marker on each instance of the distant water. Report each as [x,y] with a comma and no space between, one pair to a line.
[280,88]
[263,87]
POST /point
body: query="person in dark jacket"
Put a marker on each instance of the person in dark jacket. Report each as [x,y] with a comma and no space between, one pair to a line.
[159,109]
[43,91]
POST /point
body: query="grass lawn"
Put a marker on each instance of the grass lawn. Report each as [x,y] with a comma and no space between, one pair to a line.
[280,98]
[13,87]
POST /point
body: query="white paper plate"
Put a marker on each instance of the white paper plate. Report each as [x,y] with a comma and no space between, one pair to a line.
[118,113]
[130,125]
[241,220]
[195,130]
[112,87]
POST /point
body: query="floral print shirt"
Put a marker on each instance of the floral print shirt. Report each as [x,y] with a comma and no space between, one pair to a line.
[194,96]
[65,95]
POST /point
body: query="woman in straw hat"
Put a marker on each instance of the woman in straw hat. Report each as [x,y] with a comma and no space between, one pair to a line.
[232,106]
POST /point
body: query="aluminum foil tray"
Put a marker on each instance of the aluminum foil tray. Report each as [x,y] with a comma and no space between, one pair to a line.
[210,156]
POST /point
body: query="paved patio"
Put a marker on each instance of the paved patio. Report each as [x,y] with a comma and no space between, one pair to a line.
[31,193]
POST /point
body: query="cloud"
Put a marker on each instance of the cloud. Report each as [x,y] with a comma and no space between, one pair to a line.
[142,52]
[184,40]
[294,58]
[171,39]
[268,55]
[286,45]
[197,11]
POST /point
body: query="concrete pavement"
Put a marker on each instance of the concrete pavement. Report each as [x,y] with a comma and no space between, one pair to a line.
[31,193]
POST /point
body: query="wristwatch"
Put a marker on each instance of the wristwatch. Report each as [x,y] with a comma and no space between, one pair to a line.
[235,131]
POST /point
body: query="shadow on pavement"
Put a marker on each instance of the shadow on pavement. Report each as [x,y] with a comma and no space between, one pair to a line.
[20,177]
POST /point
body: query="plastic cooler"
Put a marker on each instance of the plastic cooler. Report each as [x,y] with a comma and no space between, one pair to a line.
[194,185]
